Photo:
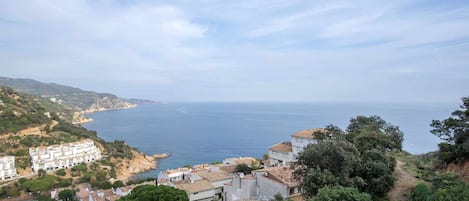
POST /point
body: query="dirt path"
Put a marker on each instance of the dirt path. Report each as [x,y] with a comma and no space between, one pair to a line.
[405,182]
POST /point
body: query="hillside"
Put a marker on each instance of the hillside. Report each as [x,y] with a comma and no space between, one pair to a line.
[73,98]
[25,123]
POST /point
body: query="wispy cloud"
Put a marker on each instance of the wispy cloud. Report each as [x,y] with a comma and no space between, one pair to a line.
[242,50]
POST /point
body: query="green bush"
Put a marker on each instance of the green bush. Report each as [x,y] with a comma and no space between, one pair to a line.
[340,193]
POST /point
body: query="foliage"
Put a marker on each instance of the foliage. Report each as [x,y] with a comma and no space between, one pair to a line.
[19,112]
[80,167]
[159,193]
[243,168]
[118,184]
[445,187]
[60,172]
[356,158]
[71,97]
[317,179]
[336,157]
[139,181]
[40,184]
[67,195]
[382,134]
[421,192]
[455,132]
[336,193]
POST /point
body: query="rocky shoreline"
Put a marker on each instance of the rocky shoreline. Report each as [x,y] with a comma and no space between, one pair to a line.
[126,168]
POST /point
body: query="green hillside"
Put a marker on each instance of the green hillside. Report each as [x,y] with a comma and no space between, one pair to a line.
[19,112]
[75,98]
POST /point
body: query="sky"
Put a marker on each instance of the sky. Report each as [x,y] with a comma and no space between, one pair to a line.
[213,50]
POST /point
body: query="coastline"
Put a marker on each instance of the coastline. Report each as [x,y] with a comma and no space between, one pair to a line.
[127,168]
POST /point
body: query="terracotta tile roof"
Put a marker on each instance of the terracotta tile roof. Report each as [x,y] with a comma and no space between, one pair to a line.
[282,147]
[308,134]
[283,175]
[198,186]
[242,160]
[214,176]
[228,168]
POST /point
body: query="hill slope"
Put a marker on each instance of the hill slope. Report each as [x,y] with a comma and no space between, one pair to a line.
[74,98]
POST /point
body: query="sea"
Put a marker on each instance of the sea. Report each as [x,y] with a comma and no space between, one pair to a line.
[197,133]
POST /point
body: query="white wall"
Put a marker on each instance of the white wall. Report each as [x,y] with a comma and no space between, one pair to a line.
[286,158]
[7,167]
[298,144]
[204,195]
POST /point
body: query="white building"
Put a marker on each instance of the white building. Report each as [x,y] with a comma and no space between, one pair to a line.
[64,155]
[281,154]
[263,184]
[173,175]
[7,167]
[286,153]
[303,138]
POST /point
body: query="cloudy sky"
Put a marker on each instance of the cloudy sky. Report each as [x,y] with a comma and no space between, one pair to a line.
[210,50]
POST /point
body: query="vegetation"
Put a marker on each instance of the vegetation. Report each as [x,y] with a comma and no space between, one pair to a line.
[158,193]
[444,187]
[334,193]
[243,168]
[18,112]
[356,159]
[75,99]
[455,132]
[67,195]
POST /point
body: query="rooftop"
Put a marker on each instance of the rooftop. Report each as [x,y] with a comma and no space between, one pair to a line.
[240,160]
[308,134]
[197,186]
[214,175]
[282,147]
[282,175]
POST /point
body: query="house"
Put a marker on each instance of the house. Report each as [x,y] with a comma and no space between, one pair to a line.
[7,167]
[274,180]
[281,154]
[173,175]
[263,184]
[286,153]
[199,190]
[64,155]
[242,187]
[303,138]
[218,178]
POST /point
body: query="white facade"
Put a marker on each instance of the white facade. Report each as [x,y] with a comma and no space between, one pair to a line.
[7,167]
[263,184]
[64,155]
[281,154]
[300,143]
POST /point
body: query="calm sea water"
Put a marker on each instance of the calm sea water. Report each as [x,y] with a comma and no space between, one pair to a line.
[195,133]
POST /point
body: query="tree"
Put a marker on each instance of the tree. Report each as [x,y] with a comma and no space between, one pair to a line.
[455,132]
[316,179]
[158,193]
[67,195]
[336,157]
[340,193]
[390,136]
[243,168]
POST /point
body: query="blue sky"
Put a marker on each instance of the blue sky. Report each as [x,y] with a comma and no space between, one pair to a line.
[210,50]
